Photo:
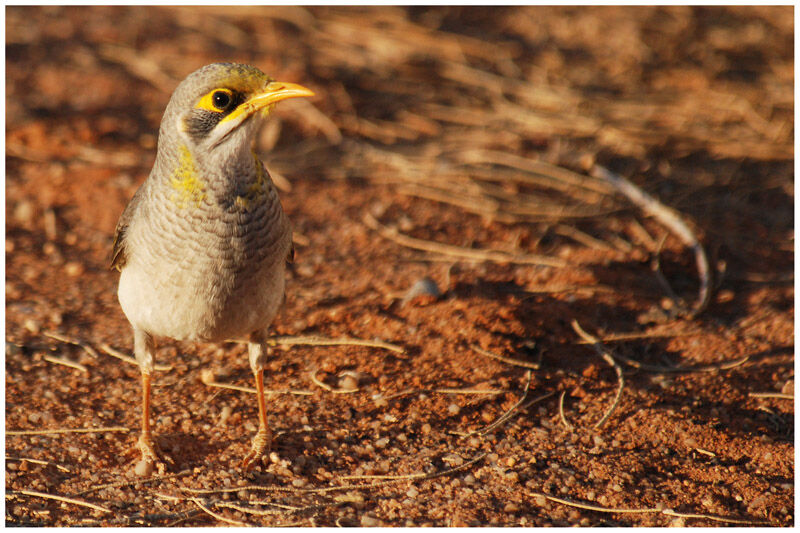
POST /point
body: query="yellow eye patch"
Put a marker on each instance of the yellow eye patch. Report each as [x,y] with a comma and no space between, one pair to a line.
[218,100]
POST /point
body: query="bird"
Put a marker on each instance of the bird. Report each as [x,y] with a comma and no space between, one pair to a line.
[203,245]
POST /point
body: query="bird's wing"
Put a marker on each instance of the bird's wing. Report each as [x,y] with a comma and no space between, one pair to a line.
[119,251]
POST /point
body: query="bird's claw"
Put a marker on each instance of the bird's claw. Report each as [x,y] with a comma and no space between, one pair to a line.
[261,443]
[152,456]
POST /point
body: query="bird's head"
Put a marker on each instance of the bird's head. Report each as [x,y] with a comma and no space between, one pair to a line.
[218,107]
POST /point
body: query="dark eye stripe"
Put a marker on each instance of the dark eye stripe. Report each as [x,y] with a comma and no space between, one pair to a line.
[200,122]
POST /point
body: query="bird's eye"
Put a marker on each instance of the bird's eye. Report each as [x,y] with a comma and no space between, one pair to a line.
[221,100]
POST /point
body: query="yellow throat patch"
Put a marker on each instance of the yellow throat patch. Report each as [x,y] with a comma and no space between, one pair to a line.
[186,182]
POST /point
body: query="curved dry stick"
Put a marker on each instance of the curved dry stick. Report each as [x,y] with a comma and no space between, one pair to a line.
[669,218]
[561,411]
[605,353]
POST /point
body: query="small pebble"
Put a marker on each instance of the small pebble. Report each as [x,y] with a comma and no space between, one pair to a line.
[453,409]
[144,468]
[369,521]
[382,442]
[23,212]
[73,269]
[348,383]
[412,492]
[424,287]
[225,414]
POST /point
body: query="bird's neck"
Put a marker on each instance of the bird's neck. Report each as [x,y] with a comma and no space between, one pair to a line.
[234,177]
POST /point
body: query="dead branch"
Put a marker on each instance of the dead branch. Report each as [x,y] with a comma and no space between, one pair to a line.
[607,355]
[672,220]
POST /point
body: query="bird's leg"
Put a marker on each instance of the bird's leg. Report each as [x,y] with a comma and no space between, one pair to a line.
[258,351]
[144,349]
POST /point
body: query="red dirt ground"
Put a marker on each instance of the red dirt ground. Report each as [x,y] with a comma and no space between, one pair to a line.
[695,105]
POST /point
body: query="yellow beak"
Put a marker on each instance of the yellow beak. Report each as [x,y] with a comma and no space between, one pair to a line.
[272,93]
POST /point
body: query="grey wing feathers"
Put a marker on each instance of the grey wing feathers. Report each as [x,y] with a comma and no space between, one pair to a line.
[119,252]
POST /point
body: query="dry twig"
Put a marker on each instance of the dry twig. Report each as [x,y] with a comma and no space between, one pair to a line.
[66,362]
[778,395]
[561,411]
[314,340]
[128,359]
[411,477]
[62,499]
[672,220]
[57,336]
[509,360]
[606,354]
[209,379]
[65,430]
[140,481]
[38,462]
[325,386]
[667,512]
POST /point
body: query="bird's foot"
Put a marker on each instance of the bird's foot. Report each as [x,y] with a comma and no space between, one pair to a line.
[261,443]
[152,457]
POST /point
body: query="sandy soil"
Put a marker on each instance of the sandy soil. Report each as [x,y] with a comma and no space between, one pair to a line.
[447,126]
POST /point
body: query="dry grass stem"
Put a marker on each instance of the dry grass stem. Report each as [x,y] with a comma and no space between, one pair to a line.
[67,430]
[667,512]
[444,391]
[128,359]
[509,360]
[672,220]
[469,391]
[495,256]
[622,337]
[325,386]
[324,341]
[777,395]
[519,406]
[411,477]
[219,517]
[208,379]
[681,369]
[38,462]
[134,482]
[561,411]
[62,499]
[582,237]
[705,452]
[61,338]
[66,362]
[606,354]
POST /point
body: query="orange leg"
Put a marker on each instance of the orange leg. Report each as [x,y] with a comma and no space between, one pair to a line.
[146,404]
[150,452]
[263,438]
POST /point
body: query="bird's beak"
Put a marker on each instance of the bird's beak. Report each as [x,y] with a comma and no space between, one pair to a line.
[260,102]
[272,93]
